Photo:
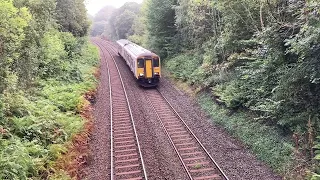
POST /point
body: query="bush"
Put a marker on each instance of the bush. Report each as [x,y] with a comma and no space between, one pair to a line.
[35,127]
[265,141]
[183,66]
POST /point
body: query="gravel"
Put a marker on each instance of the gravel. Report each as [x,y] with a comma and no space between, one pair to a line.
[160,159]
[99,161]
[235,160]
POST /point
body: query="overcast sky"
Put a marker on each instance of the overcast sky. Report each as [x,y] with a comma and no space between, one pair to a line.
[94,6]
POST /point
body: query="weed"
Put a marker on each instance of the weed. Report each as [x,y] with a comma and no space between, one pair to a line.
[198,166]
[266,142]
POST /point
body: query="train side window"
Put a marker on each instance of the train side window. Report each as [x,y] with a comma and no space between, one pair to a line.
[156,62]
[140,63]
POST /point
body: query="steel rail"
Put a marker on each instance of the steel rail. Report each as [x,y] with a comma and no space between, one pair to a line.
[170,139]
[184,124]
[111,110]
[111,45]
[194,136]
[130,112]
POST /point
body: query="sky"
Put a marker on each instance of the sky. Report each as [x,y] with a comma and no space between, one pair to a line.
[93,6]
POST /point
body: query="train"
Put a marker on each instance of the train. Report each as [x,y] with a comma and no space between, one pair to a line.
[144,64]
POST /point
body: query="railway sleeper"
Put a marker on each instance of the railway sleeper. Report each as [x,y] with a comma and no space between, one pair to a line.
[122,131]
[178,132]
[194,158]
[126,161]
[127,166]
[202,163]
[125,147]
[126,156]
[124,142]
[191,153]
[212,177]
[122,128]
[178,140]
[121,124]
[177,128]
[182,143]
[129,174]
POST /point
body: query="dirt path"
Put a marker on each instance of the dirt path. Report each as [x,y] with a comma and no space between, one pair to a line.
[160,159]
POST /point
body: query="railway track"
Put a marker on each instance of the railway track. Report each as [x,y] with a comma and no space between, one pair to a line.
[195,159]
[126,157]
[197,162]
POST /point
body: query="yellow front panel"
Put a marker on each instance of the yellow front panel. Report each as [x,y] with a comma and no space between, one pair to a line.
[148,68]
[140,71]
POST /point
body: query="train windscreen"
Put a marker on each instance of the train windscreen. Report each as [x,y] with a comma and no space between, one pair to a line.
[140,63]
[156,62]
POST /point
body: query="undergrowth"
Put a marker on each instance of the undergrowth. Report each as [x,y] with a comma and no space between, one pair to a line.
[267,142]
[36,126]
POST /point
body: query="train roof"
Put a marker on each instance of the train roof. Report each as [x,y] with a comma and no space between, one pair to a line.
[134,48]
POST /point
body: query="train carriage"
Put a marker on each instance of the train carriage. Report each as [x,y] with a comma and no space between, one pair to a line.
[144,64]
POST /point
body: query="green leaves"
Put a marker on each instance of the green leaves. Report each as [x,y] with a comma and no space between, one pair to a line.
[72,17]
[12,24]
[35,128]
[32,50]
[161,29]
[120,23]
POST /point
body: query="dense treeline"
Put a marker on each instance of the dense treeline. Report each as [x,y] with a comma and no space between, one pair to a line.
[259,56]
[115,23]
[101,20]
[44,70]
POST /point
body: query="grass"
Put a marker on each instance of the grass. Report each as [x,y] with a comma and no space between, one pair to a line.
[266,142]
[37,129]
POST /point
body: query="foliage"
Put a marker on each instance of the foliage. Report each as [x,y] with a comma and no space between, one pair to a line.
[188,61]
[270,56]
[262,57]
[72,17]
[120,22]
[139,27]
[44,72]
[160,26]
[101,20]
[13,20]
[265,141]
[36,127]
[316,174]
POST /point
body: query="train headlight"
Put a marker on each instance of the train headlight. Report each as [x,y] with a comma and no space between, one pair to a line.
[141,74]
[156,73]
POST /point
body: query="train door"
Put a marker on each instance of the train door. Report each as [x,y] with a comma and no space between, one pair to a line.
[149,69]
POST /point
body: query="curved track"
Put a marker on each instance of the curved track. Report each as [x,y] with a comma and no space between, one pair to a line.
[195,159]
[126,157]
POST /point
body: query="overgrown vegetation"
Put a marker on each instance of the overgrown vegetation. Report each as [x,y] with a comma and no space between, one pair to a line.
[46,67]
[266,142]
[257,56]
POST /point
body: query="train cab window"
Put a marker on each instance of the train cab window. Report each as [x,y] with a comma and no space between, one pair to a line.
[155,62]
[140,63]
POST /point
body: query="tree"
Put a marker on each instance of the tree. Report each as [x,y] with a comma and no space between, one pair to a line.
[12,24]
[139,27]
[123,24]
[72,17]
[43,20]
[101,20]
[121,21]
[161,26]
[98,28]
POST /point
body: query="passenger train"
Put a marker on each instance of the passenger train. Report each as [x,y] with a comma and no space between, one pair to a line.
[144,64]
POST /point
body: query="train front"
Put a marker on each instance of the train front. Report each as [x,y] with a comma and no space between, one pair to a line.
[148,70]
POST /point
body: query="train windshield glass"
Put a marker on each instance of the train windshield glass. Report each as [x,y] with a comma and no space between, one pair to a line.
[156,62]
[140,63]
